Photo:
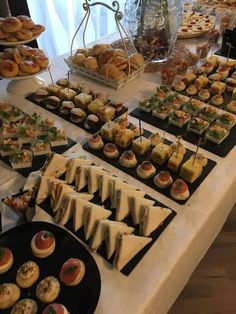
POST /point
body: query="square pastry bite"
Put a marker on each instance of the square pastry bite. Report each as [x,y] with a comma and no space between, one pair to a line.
[179,118]
[41,146]
[124,137]
[190,171]
[216,133]
[198,125]
[22,159]
[141,145]
[218,88]
[161,153]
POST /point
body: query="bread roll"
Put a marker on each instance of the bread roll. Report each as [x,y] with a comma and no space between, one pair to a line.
[11,24]
[9,68]
[26,21]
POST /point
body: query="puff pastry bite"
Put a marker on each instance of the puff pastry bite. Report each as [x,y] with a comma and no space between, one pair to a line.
[9,294]
[27,274]
[48,289]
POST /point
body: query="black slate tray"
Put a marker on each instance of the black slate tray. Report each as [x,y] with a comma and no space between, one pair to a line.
[222,54]
[96,128]
[102,250]
[39,161]
[82,298]
[221,149]
[132,172]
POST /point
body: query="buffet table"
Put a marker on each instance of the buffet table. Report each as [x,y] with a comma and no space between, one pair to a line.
[157,280]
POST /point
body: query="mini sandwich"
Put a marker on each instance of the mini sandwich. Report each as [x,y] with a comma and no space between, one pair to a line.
[81,177]
[58,190]
[73,164]
[81,207]
[44,190]
[101,231]
[190,171]
[94,174]
[56,166]
[115,186]
[153,217]
[127,246]
[124,202]
[113,231]
[137,208]
[92,215]
[66,207]
[104,186]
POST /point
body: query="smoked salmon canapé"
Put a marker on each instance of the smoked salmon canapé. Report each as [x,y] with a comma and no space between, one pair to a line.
[43,244]
[6,259]
[72,272]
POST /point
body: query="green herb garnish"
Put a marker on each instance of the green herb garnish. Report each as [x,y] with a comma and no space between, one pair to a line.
[70,269]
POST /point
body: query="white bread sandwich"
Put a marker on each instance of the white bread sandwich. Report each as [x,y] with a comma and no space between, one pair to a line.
[73,164]
[56,166]
[81,177]
[104,186]
[81,206]
[127,246]
[94,174]
[45,188]
[57,191]
[153,217]
[92,216]
[115,187]
[112,232]
[124,202]
[137,208]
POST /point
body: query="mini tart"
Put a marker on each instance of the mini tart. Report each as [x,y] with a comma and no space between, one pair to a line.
[217,100]
[191,90]
[199,158]
[128,159]
[9,295]
[43,244]
[179,86]
[179,190]
[72,272]
[6,259]
[110,150]
[146,170]
[27,274]
[48,289]
[178,148]
[163,180]
[25,306]
[95,142]
[55,308]
[204,94]
[155,139]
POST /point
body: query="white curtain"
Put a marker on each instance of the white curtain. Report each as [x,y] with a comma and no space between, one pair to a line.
[61,19]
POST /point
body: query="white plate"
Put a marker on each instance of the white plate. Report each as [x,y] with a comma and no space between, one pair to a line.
[22,77]
[16,43]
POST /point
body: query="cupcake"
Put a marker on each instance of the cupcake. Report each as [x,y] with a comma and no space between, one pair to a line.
[95,142]
[146,170]
[128,159]
[110,150]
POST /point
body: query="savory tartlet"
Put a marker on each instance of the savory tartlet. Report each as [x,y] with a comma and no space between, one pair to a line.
[27,274]
[179,190]
[43,244]
[128,159]
[25,306]
[48,289]
[9,295]
[72,272]
[146,170]
[6,259]
[163,180]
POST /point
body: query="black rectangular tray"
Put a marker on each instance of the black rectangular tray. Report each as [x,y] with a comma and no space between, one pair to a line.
[221,149]
[66,117]
[39,161]
[132,172]
[102,250]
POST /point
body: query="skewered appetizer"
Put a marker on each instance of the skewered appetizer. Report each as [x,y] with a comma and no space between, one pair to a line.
[27,274]
[77,115]
[216,133]
[163,180]
[22,159]
[146,170]
[128,159]
[43,244]
[9,294]
[190,171]
[208,113]
[41,146]
[201,82]
[72,272]
[28,306]
[175,161]
[137,131]
[57,137]
[95,142]
[6,259]
[199,158]
[178,147]
[223,70]
[218,88]
[179,118]
[110,150]
[55,308]
[226,120]
[155,139]
[197,125]
[124,137]
[109,130]
[48,289]
[141,145]
[161,153]
[179,190]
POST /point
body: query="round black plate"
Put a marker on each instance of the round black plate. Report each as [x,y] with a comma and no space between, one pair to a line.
[82,298]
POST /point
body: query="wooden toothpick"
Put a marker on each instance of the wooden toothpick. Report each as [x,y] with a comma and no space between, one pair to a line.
[50,73]
[198,144]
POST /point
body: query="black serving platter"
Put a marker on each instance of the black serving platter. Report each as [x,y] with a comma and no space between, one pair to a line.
[102,250]
[221,53]
[39,161]
[33,98]
[221,149]
[132,172]
[82,298]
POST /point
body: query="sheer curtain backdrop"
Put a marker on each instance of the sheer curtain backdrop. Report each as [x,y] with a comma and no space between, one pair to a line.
[61,19]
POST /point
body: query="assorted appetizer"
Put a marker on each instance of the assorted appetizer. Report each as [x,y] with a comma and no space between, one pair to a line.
[198,125]
[27,274]
[163,180]
[216,133]
[48,289]
[22,159]
[55,308]
[128,159]
[72,272]
[179,118]
[28,306]
[110,150]
[146,170]
[43,244]
[95,142]
[20,202]
[9,295]
[6,259]
[179,190]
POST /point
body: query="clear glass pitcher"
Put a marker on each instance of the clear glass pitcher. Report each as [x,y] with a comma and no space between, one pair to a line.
[153,25]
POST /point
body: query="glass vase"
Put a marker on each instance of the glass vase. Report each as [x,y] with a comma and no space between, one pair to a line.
[153,26]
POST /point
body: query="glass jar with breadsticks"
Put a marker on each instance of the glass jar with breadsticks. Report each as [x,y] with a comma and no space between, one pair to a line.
[113,64]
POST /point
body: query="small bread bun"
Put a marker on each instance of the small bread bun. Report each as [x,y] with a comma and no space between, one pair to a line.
[55,308]
[29,67]
[24,34]
[25,306]
[37,29]
[48,289]
[111,71]
[12,38]
[6,259]
[41,60]
[17,56]
[9,68]
[25,50]
[72,272]
[9,294]
[90,63]
[106,56]
[26,21]
[27,274]
[136,61]
[43,244]
[79,59]
[121,53]
[77,115]
[120,62]
[3,35]
[96,50]
[11,24]
[8,54]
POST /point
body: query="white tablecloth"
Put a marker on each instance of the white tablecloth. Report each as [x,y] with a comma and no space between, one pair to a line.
[157,280]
